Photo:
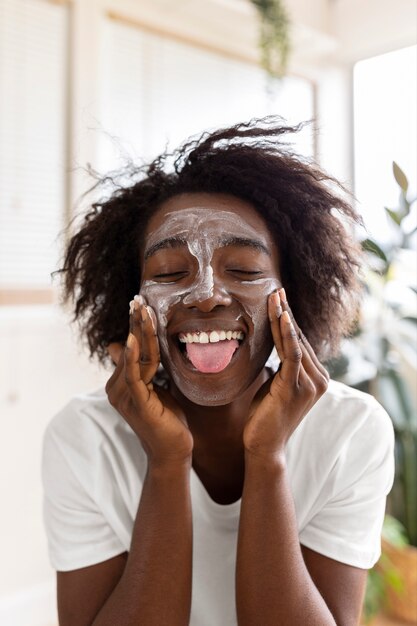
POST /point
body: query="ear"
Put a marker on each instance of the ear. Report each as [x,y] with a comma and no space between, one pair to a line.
[115,351]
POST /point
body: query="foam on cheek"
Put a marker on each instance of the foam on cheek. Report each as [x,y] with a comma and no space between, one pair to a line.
[258,311]
[161,302]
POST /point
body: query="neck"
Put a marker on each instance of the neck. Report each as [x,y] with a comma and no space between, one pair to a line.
[219,429]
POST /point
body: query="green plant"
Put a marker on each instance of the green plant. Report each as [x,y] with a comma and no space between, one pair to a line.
[274,38]
[384,338]
[395,329]
[385,574]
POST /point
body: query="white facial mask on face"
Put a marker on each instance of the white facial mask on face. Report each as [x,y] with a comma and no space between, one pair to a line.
[201,229]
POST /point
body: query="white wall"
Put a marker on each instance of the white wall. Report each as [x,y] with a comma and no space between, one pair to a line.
[41,367]
[365,29]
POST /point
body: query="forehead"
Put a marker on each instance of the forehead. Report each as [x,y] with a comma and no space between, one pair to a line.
[207,215]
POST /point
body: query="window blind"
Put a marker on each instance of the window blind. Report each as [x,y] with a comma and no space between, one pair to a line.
[158,91]
[33,84]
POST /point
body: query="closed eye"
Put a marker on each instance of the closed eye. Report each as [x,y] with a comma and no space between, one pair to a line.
[247,272]
[245,275]
[171,275]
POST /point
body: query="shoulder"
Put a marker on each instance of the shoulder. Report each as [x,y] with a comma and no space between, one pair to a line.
[91,476]
[344,423]
[89,414]
[345,410]
[88,432]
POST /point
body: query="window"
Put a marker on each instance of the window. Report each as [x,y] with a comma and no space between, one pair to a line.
[385,117]
[156,90]
[33,76]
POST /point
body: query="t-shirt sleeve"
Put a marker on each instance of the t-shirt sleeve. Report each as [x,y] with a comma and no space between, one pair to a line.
[348,527]
[77,532]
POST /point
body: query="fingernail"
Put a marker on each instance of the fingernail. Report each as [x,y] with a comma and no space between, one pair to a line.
[131,307]
[143,312]
[286,318]
[279,310]
[130,339]
[283,295]
[140,300]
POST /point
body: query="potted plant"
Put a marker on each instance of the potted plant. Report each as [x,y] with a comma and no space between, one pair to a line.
[386,339]
[274,39]
[385,575]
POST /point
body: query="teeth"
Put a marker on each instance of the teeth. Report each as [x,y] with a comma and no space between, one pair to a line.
[212,337]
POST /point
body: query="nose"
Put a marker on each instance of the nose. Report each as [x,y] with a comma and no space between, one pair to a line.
[206,297]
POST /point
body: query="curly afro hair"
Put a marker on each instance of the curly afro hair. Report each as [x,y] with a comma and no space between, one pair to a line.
[252,161]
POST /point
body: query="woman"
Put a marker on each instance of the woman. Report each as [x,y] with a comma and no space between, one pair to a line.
[212,489]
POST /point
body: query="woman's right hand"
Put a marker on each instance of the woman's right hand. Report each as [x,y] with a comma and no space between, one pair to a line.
[150,411]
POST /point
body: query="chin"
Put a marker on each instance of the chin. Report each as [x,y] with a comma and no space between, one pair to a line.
[213,389]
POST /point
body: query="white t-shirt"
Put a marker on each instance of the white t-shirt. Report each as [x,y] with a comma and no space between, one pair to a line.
[340,465]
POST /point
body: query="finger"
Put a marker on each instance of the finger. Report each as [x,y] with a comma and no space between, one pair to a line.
[150,358]
[139,390]
[116,383]
[306,347]
[291,363]
[135,323]
[318,375]
[144,325]
[276,333]
[115,350]
[274,314]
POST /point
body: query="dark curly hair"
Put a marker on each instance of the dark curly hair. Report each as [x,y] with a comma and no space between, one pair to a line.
[253,161]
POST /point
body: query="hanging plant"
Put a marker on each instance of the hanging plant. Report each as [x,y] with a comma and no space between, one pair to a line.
[274,39]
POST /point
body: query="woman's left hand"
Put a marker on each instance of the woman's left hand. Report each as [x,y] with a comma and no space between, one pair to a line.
[282,403]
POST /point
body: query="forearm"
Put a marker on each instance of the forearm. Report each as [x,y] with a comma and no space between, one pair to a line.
[273,585]
[155,588]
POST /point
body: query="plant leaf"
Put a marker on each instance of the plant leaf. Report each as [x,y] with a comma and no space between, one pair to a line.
[394,532]
[410,318]
[394,216]
[404,208]
[371,246]
[399,176]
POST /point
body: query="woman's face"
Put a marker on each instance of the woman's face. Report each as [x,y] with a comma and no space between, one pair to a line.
[209,264]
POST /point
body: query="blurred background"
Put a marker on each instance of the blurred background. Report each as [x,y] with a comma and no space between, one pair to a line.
[93,81]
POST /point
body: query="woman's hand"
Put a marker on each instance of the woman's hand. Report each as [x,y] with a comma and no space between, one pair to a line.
[282,403]
[151,412]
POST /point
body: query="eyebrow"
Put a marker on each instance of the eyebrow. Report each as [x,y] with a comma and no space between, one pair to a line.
[179,242]
[245,242]
[169,242]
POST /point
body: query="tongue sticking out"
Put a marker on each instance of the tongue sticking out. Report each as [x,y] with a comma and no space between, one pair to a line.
[211,357]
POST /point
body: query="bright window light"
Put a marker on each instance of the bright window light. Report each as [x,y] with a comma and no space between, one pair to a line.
[385,117]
